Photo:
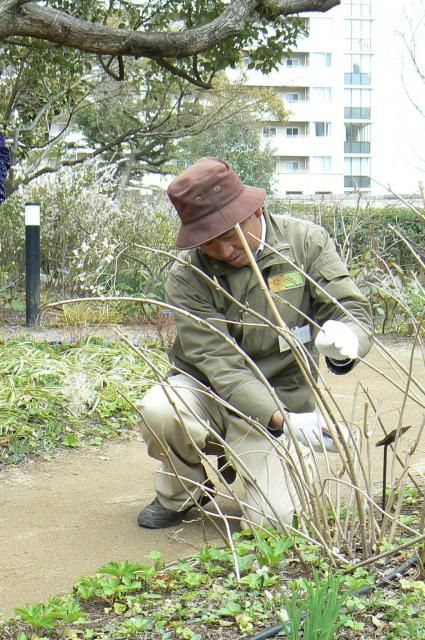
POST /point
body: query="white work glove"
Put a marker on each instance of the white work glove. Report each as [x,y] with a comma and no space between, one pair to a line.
[336,340]
[311,430]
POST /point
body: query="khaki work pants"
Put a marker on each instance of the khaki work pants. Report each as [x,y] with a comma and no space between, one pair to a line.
[179,421]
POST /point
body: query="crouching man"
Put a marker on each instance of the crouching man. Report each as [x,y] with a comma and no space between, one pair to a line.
[180,420]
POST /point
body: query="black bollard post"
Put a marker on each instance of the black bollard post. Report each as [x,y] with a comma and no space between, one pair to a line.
[32,260]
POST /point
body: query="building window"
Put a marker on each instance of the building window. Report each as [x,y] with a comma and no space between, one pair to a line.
[357,132]
[292,166]
[357,138]
[293,97]
[322,94]
[294,193]
[322,128]
[358,9]
[180,163]
[292,62]
[357,35]
[357,166]
[320,59]
[292,131]
[357,103]
[321,164]
[357,62]
[357,97]
[357,68]
[269,132]
[305,23]
[357,172]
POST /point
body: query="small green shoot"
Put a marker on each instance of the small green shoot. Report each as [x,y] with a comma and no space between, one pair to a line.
[274,552]
[314,607]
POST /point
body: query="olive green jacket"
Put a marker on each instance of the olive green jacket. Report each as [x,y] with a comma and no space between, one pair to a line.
[211,358]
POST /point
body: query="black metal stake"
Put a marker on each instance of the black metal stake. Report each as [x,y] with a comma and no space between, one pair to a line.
[384,477]
[32,262]
[385,442]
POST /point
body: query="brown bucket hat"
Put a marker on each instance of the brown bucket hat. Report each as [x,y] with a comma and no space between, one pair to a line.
[210,200]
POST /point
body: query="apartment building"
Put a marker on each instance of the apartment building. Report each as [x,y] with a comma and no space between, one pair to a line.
[358,58]
[326,84]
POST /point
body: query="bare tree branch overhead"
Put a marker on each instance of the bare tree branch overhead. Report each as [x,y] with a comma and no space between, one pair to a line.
[25,18]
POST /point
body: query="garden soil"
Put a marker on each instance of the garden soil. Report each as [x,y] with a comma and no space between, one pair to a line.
[62,519]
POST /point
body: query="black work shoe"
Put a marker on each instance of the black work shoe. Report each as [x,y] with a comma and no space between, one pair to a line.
[155,516]
[226,470]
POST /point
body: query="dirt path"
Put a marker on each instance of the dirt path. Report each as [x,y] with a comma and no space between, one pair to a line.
[62,519]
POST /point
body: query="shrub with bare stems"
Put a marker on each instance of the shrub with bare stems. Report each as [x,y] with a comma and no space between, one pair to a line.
[339,509]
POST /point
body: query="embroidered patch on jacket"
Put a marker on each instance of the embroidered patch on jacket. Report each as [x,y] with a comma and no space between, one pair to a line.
[284,281]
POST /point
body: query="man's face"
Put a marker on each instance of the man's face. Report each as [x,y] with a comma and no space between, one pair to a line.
[228,248]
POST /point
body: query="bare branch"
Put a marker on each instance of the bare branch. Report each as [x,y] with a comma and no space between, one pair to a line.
[181,74]
[106,66]
[286,7]
[20,17]
[15,92]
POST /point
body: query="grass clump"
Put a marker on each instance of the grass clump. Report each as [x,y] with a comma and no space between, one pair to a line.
[67,394]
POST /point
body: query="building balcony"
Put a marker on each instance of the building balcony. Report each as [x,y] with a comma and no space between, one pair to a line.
[300,111]
[356,182]
[356,147]
[305,76]
[292,165]
[307,145]
[306,182]
[310,111]
[357,78]
[357,113]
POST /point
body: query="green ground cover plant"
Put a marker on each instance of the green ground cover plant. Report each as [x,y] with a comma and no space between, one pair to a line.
[307,581]
[67,394]
[201,598]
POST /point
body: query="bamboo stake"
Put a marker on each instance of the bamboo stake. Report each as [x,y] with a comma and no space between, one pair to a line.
[294,346]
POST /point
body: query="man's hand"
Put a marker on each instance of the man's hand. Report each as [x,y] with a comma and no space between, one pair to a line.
[336,340]
[311,430]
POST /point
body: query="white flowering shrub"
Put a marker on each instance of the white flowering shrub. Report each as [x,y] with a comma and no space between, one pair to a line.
[75,203]
[95,266]
[88,235]
[123,257]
